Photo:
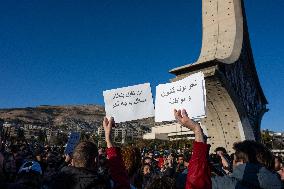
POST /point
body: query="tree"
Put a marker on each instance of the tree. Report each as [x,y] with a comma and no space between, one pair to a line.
[60,139]
[84,136]
[41,137]
[267,140]
[21,134]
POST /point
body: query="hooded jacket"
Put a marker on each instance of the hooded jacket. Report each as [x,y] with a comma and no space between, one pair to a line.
[248,176]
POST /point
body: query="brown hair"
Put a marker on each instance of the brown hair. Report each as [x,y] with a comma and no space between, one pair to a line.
[254,152]
[132,159]
[84,154]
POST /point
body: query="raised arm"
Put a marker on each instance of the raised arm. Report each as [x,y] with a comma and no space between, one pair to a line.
[198,176]
[115,162]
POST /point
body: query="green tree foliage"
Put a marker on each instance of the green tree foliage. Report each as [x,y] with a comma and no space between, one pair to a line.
[41,137]
[59,139]
[267,139]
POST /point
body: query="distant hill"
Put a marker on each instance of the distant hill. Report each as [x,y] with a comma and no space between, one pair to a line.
[53,115]
[84,116]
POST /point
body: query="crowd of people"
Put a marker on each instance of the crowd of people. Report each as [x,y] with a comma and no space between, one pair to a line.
[252,165]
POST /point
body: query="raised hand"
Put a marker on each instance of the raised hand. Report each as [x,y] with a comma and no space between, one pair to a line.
[108,124]
[182,117]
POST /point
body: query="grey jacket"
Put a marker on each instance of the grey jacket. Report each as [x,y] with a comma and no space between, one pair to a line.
[248,176]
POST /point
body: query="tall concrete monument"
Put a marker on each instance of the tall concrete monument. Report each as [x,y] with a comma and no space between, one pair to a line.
[235,100]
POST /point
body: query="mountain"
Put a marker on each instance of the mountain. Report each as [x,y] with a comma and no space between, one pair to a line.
[87,117]
[54,115]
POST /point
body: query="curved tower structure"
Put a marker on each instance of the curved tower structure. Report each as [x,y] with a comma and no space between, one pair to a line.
[235,100]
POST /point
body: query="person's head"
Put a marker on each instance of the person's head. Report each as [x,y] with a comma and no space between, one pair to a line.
[146,169]
[38,155]
[277,163]
[180,159]
[281,173]
[162,183]
[132,159]
[156,156]
[147,160]
[84,155]
[101,151]
[220,150]
[150,154]
[252,152]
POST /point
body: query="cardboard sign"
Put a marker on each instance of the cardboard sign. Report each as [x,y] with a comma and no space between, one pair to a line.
[188,93]
[129,103]
[72,142]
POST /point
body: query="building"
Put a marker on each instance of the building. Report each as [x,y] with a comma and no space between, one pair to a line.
[10,129]
[33,131]
[277,142]
[119,134]
[170,131]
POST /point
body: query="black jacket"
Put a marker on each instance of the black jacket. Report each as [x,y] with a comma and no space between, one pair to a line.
[79,178]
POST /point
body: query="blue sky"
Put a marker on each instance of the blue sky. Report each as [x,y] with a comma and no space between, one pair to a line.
[67,52]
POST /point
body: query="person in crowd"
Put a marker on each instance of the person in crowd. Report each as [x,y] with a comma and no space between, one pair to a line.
[180,164]
[252,165]
[168,168]
[103,169]
[151,154]
[83,172]
[225,159]
[198,176]
[162,183]
[2,175]
[38,156]
[147,175]
[29,177]
[252,168]
[279,167]
[9,168]
[281,174]
[132,161]
[147,160]
[278,163]
[17,156]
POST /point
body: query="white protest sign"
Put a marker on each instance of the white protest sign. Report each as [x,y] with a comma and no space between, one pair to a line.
[72,142]
[129,103]
[188,93]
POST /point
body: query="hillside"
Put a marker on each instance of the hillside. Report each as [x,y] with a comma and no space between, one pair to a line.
[54,115]
[87,117]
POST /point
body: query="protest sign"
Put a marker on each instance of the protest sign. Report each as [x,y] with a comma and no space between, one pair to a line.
[129,103]
[73,140]
[188,93]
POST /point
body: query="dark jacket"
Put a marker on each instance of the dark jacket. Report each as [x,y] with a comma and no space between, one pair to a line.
[79,178]
[247,176]
[82,178]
